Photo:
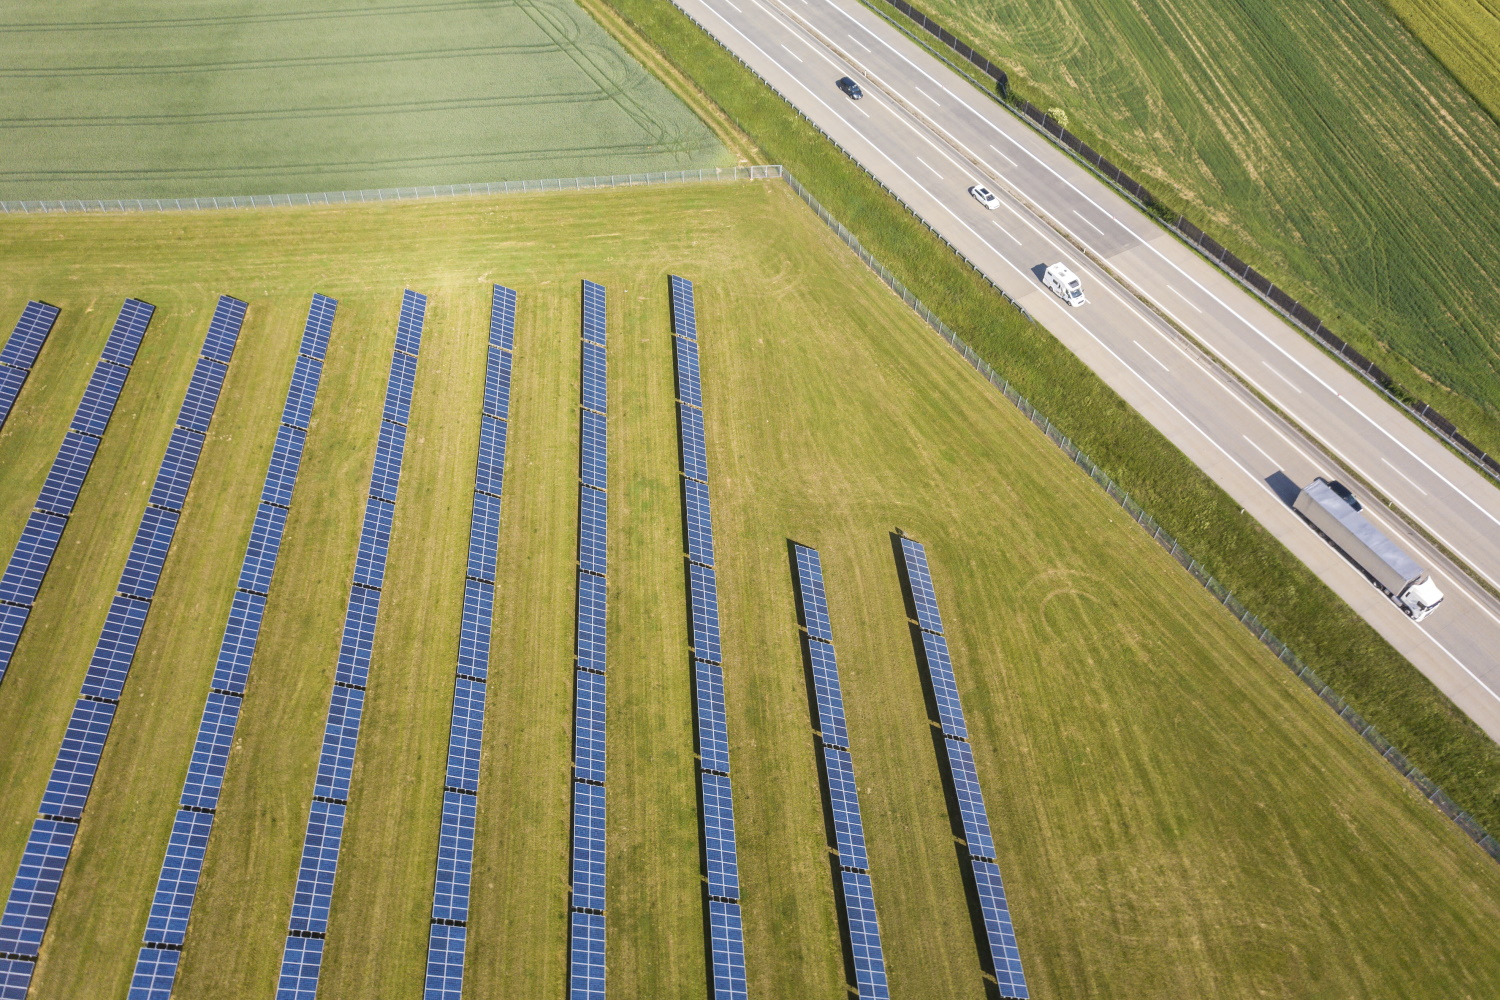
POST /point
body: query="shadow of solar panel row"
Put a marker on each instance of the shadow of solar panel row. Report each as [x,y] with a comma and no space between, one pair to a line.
[340,738]
[466,735]
[971,809]
[65,478]
[593,312]
[484,537]
[944,686]
[920,577]
[684,312]
[33,554]
[300,964]
[593,457]
[713,730]
[586,967]
[306,377]
[489,475]
[409,328]
[398,390]
[591,621]
[455,865]
[588,846]
[177,468]
[864,936]
[828,693]
[593,515]
[595,379]
[497,383]
[843,796]
[689,381]
[29,905]
[116,647]
[474,630]
[286,461]
[320,858]
[588,726]
[173,902]
[722,858]
[445,962]
[374,543]
[727,947]
[21,350]
[700,524]
[703,595]
[694,446]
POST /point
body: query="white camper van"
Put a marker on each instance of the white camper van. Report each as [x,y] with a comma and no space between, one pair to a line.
[1064,283]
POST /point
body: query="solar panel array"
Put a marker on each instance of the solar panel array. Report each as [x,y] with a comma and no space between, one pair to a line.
[29,907]
[20,351]
[720,854]
[448,934]
[586,907]
[177,885]
[854,886]
[999,932]
[302,958]
[49,517]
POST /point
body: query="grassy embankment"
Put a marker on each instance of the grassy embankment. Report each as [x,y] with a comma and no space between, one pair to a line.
[1178,815]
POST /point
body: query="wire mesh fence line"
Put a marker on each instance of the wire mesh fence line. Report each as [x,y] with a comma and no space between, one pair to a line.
[393,194]
[1221,593]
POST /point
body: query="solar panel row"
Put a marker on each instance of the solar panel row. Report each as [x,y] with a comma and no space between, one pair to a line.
[177,468]
[448,934]
[593,313]
[999,931]
[595,378]
[177,884]
[302,963]
[77,762]
[854,885]
[44,526]
[726,931]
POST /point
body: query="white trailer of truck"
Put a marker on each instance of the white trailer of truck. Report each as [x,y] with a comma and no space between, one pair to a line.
[1382,560]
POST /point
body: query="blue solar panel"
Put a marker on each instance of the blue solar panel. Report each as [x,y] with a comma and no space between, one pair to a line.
[340,739]
[944,686]
[592,592]
[320,858]
[359,636]
[970,800]
[205,777]
[73,774]
[241,633]
[386,476]
[489,475]
[727,942]
[177,467]
[843,796]
[466,735]
[445,962]
[178,882]
[586,962]
[116,647]
[29,335]
[484,537]
[497,384]
[593,312]
[130,327]
[303,390]
[694,446]
[12,621]
[700,527]
[474,633]
[588,846]
[593,518]
[301,963]
[374,543]
[455,862]
[155,974]
[409,330]
[689,378]
[719,850]
[829,695]
[503,318]
[11,381]
[864,936]
[704,599]
[595,378]
[263,548]
[588,726]
[814,599]
[319,325]
[65,478]
[398,388]
[202,396]
[713,726]
[35,888]
[998,929]
[148,554]
[99,398]
[922,593]
[224,329]
[593,454]
[684,316]
[33,554]
[286,460]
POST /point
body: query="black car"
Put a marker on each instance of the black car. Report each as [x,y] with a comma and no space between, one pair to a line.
[851,88]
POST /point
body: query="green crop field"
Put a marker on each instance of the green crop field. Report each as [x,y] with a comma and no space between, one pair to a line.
[1465,36]
[1176,815]
[167,98]
[1319,141]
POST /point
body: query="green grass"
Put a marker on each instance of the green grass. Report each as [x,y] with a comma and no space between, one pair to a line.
[165,98]
[1465,37]
[1320,142]
[1178,815]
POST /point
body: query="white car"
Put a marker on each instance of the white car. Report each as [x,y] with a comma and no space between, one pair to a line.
[1064,284]
[983,195]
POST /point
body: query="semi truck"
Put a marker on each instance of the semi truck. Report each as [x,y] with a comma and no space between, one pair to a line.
[1337,518]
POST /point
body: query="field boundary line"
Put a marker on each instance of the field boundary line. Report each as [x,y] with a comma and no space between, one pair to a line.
[1429,789]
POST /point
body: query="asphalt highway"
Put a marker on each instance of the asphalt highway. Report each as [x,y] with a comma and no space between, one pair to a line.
[1243,394]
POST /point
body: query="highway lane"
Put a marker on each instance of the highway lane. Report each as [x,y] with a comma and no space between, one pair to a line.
[928,135]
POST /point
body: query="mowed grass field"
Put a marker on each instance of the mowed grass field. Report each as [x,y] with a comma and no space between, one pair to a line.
[172,98]
[1321,142]
[1176,815]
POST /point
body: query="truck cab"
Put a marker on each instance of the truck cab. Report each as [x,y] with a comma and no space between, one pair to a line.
[1064,284]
